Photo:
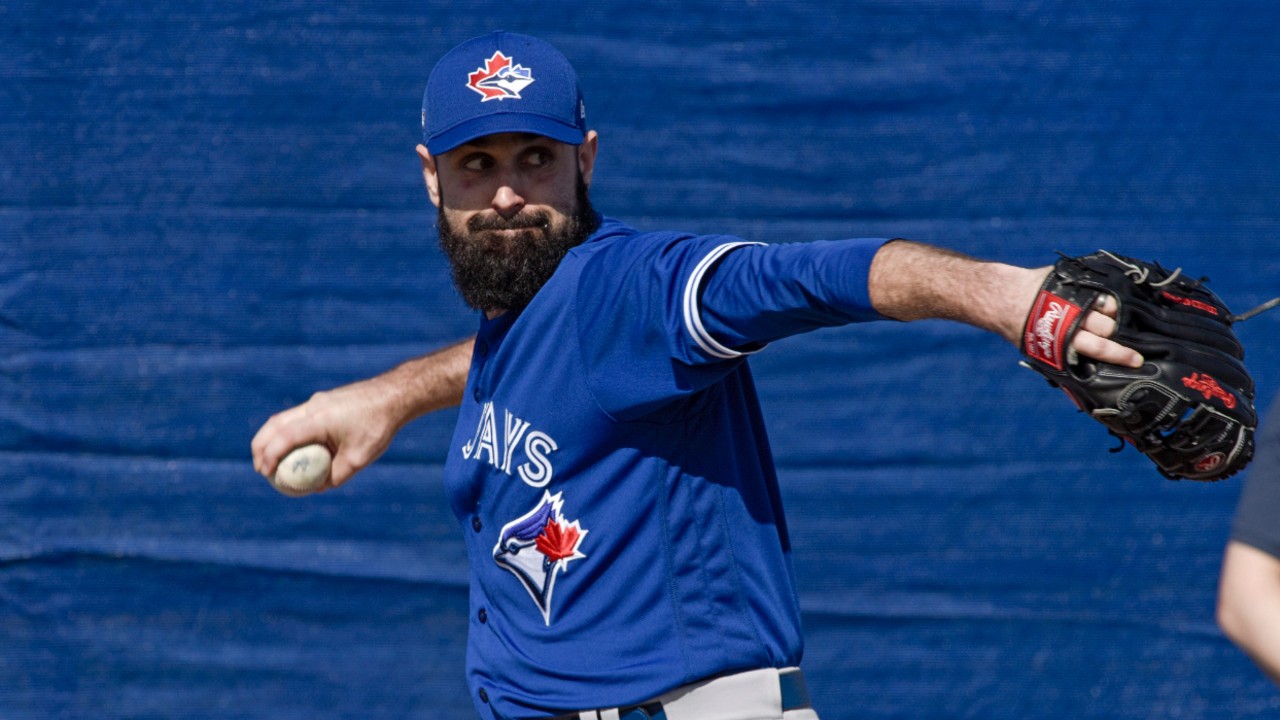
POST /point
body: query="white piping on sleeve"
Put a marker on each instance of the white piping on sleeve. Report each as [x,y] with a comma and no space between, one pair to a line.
[693,310]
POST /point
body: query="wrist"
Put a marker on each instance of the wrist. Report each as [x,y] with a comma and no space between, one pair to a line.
[1014,289]
[912,281]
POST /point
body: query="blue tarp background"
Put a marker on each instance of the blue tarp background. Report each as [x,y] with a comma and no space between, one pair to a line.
[209,210]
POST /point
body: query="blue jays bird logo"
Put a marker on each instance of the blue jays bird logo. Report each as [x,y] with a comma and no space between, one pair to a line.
[499,78]
[538,546]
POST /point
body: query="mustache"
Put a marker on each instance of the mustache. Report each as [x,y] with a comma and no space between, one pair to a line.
[534,220]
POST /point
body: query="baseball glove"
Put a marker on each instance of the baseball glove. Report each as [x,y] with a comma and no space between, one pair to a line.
[1190,407]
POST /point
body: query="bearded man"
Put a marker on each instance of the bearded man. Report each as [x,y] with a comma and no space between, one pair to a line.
[610,469]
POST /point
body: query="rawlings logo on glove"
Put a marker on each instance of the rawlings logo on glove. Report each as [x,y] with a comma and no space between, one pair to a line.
[1190,406]
[1049,329]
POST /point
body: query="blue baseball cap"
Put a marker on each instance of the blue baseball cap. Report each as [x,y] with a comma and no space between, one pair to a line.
[502,82]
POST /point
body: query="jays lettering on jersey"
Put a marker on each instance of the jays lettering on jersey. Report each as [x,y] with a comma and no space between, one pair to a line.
[612,474]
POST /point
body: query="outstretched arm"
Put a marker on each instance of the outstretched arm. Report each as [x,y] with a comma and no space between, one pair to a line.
[358,421]
[1249,604]
[913,281]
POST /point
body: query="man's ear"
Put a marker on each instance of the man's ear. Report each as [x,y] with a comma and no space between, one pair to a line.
[587,155]
[429,175]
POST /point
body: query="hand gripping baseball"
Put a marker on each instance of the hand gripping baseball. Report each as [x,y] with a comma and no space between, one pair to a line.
[356,422]
[1189,405]
[350,422]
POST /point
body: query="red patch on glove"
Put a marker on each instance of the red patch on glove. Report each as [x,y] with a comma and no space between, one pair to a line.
[1047,326]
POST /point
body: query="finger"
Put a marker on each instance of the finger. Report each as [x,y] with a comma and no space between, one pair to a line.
[348,461]
[1099,324]
[286,440]
[260,440]
[340,471]
[1107,305]
[268,433]
[288,430]
[1104,350]
[272,453]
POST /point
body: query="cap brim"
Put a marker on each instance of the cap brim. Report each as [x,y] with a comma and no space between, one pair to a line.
[503,123]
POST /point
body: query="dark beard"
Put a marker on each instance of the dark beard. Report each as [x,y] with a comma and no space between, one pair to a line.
[494,272]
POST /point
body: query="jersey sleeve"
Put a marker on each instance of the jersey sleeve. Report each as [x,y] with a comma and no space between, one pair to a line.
[761,293]
[664,316]
[1259,504]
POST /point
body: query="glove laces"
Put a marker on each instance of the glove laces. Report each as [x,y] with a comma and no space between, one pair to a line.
[1140,274]
[1256,311]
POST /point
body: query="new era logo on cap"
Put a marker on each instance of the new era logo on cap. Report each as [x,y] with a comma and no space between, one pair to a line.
[535,86]
[499,79]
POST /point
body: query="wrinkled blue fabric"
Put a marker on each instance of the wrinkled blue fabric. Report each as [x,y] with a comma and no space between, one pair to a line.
[209,211]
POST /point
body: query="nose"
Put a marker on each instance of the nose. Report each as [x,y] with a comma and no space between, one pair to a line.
[507,202]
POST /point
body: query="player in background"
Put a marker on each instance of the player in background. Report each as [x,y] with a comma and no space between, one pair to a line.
[1249,589]
[610,470]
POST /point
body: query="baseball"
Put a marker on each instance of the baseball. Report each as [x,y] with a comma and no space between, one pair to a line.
[303,471]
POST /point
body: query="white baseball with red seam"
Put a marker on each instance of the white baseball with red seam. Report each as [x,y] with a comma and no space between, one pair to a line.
[303,471]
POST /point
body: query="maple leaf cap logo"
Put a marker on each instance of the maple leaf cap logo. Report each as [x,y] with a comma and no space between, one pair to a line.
[499,78]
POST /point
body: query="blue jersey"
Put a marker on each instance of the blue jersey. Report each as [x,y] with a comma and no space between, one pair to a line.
[611,472]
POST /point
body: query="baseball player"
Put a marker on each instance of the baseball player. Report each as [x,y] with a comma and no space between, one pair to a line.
[610,468]
[1249,592]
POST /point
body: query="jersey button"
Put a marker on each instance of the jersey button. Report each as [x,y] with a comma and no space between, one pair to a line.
[484,696]
[476,394]
[484,616]
[482,348]
[475,523]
